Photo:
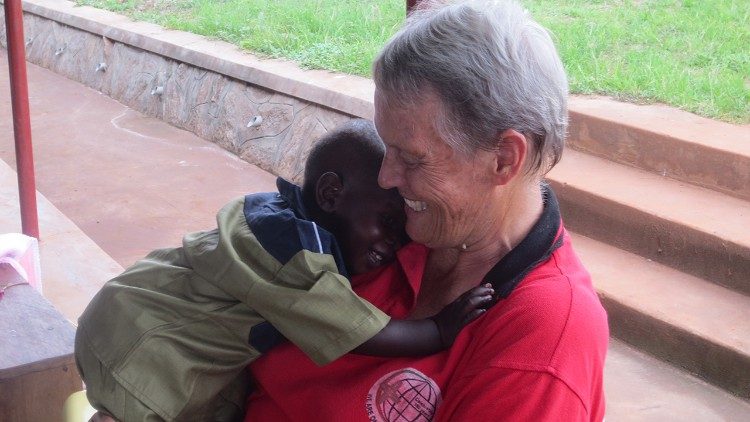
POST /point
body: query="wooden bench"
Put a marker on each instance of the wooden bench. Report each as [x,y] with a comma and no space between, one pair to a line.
[37,368]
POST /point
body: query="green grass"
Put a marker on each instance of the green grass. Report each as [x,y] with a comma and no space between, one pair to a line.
[692,54]
[340,35]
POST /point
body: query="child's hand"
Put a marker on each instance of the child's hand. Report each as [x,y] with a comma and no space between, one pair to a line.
[462,311]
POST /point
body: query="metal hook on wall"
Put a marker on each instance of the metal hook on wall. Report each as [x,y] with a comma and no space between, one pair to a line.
[159,90]
[255,121]
[60,50]
[101,67]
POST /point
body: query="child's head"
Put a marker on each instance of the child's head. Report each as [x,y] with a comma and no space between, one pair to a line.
[342,193]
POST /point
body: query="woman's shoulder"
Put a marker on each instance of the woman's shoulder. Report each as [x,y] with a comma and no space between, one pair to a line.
[552,326]
[552,311]
[559,288]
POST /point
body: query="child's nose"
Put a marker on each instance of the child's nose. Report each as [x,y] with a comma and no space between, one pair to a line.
[394,240]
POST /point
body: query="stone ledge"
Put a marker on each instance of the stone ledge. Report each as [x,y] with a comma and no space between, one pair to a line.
[348,94]
[209,104]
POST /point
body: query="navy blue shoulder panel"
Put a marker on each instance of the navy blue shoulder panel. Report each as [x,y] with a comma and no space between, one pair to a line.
[264,337]
[283,234]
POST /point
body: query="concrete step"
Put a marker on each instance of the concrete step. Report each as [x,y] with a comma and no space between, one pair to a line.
[73,267]
[664,141]
[640,387]
[693,229]
[693,324]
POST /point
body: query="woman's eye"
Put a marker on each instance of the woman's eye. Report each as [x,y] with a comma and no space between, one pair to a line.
[409,160]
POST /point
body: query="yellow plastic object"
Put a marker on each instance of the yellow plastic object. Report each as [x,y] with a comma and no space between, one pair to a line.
[77,408]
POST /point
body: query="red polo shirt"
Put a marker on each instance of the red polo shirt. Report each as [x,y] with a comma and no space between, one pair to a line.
[537,355]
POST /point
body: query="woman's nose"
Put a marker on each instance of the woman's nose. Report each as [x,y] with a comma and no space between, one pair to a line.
[390,173]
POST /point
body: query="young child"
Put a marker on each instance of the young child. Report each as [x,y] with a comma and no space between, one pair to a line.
[170,337]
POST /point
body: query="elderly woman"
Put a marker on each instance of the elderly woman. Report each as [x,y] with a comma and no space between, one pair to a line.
[471,102]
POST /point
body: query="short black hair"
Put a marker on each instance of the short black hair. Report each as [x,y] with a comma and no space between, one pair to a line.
[351,150]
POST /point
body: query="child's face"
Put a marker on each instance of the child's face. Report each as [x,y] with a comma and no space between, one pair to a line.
[370,227]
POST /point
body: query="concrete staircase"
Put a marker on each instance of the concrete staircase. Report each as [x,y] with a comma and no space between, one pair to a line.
[658,202]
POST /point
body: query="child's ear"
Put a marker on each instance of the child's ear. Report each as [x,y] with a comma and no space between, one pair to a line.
[328,190]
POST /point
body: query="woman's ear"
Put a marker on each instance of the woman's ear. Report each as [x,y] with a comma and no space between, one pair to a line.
[328,191]
[510,156]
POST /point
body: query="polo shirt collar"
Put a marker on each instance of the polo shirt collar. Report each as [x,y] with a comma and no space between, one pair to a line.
[543,239]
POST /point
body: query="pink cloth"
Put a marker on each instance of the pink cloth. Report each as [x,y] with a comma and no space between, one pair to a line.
[19,261]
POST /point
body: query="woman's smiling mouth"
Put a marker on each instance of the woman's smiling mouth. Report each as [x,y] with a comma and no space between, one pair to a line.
[415,205]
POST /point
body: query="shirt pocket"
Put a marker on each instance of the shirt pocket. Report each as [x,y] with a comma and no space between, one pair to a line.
[182,366]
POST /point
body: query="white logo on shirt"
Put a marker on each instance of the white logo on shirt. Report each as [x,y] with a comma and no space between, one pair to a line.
[403,395]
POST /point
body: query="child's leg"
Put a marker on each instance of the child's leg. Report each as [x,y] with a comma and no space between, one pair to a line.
[106,394]
[229,404]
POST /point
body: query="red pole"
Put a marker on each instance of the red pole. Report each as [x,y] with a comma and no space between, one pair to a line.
[19,93]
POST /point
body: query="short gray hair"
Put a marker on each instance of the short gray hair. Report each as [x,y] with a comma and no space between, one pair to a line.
[493,67]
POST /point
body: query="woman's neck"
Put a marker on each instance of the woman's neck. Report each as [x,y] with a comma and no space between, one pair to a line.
[450,272]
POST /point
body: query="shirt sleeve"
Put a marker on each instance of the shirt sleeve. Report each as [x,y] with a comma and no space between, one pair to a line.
[501,394]
[325,320]
[272,267]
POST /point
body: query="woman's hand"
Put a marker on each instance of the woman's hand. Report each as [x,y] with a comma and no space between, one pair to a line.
[462,311]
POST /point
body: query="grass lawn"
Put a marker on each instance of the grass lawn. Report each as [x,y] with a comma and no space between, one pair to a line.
[692,54]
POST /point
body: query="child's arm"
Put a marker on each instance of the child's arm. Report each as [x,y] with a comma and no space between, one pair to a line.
[427,336]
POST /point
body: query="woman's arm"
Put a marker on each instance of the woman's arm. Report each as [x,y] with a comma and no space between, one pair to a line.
[431,335]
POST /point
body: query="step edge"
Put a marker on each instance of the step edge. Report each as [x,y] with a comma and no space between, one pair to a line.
[668,186]
[715,375]
[685,127]
[710,291]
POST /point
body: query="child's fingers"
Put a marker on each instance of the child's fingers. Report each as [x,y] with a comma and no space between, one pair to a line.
[483,290]
[476,313]
[476,302]
[480,291]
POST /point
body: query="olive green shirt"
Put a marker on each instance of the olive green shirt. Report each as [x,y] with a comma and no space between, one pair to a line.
[175,328]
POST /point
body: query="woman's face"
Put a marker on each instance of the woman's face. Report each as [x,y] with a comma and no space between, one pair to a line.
[443,190]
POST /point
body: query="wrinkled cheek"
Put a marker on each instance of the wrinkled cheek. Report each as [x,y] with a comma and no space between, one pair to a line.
[426,227]
[450,226]
[413,229]
[416,227]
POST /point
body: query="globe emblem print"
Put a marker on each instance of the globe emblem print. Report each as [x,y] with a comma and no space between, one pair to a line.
[406,395]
